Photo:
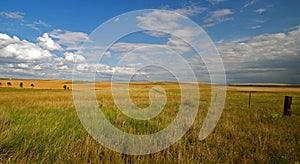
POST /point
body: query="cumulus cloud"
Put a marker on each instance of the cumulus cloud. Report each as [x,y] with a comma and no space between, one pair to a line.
[13,15]
[72,40]
[69,56]
[106,72]
[47,43]
[14,48]
[22,65]
[268,55]
[4,37]
[24,59]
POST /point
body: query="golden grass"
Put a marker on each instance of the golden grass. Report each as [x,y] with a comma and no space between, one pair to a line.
[38,84]
[265,89]
[41,125]
[58,84]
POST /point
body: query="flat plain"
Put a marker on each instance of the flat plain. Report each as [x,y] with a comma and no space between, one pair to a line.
[40,124]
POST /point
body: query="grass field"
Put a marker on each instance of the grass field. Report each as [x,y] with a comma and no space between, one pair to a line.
[41,125]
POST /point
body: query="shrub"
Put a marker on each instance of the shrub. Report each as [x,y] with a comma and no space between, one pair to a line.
[21,85]
[32,85]
[8,83]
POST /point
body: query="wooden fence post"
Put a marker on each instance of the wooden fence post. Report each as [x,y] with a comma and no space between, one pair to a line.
[287,105]
[249,101]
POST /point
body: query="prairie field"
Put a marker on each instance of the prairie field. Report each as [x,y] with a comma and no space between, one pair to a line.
[40,124]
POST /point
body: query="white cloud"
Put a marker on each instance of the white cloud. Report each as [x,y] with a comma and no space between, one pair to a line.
[127,47]
[167,21]
[39,22]
[274,54]
[64,67]
[221,13]
[218,16]
[4,36]
[6,40]
[248,4]
[21,50]
[260,10]
[69,56]
[255,27]
[190,10]
[107,54]
[10,65]
[24,59]
[37,67]
[47,43]
[36,25]
[22,65]
[117,20]
[174,45]
[183,37]
[24,51]
[178,45]
[252,2]
[13,15]
[177,32]
[214,2]
[107,70]
[71,39]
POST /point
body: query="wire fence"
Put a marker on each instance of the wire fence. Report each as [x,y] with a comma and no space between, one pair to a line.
[273,100]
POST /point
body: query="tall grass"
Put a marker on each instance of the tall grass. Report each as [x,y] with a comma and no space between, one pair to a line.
[42,126]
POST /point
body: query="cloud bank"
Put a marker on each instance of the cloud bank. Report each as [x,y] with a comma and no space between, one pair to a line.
[264,58]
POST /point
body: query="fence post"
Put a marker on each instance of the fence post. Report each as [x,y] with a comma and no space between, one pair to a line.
[249,101]
[287,105]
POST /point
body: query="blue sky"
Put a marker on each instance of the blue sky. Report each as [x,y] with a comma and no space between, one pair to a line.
[258,40]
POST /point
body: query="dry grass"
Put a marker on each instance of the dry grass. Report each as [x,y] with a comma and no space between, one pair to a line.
[42,126]
[265,89]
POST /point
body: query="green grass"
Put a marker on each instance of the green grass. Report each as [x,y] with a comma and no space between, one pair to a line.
[42,126]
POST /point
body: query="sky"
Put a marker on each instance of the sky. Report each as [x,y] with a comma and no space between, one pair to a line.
[248,41]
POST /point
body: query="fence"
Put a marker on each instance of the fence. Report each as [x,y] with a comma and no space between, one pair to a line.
[287,102]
